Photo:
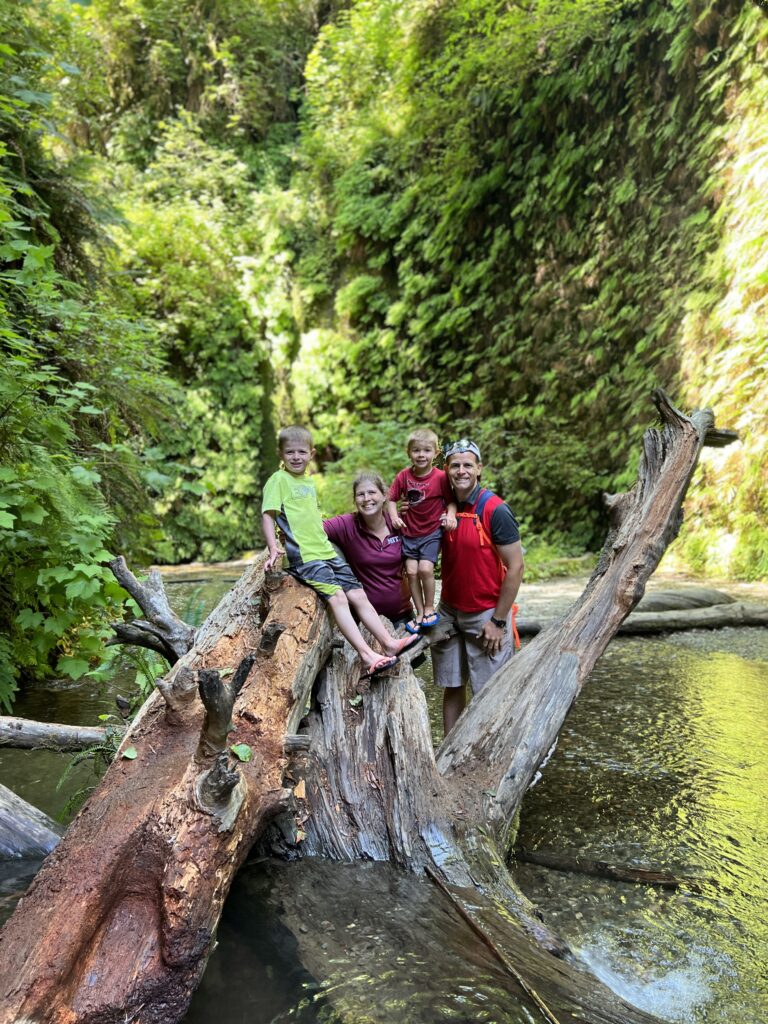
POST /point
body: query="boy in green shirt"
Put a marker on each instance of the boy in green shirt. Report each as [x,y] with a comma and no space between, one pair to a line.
[290,504]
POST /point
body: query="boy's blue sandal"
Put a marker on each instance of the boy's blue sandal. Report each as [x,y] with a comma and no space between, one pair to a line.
[429,621]
[414,627]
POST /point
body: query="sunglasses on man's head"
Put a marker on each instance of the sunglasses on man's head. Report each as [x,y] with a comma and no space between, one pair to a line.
[458,447]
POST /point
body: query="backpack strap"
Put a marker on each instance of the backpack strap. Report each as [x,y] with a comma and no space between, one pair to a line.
[482,501]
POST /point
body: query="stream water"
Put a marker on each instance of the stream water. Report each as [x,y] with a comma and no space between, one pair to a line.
[663,762]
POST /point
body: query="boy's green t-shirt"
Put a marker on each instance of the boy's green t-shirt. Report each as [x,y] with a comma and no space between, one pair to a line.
[294,498]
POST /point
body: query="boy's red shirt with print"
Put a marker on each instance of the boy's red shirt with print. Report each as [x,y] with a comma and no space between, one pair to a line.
[427,497]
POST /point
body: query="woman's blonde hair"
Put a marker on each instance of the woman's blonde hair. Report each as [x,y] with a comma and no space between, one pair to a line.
[368,476]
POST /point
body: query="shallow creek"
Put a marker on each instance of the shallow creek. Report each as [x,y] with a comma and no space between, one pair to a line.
[663,763]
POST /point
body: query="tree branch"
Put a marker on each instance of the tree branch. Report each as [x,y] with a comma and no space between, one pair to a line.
[163,630]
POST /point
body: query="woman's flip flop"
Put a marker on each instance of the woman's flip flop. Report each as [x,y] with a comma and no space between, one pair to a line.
[379,666]
[407,643]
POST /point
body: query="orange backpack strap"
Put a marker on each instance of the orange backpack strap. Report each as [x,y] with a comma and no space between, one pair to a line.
[515,634]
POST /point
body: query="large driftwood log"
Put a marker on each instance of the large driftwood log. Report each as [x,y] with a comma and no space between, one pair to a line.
[120,920]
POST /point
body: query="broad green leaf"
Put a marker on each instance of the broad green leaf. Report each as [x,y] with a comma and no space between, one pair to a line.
[242,751]
[72,666]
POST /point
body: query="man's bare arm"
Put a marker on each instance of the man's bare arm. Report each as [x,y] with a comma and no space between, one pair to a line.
[512,556]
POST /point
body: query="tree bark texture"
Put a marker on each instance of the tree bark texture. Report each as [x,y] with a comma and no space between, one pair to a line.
[120,920]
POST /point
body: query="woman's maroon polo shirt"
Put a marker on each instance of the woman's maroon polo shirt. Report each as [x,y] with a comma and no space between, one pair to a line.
[378,564]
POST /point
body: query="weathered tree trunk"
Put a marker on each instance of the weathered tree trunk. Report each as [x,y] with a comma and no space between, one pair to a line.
[119,922]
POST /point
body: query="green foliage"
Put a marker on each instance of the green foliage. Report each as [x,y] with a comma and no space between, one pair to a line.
[185,249]
[73,383]
[234,65]
[507,221]
[725,328]
[100,756]
[242,751]
[523,202]
[379,446]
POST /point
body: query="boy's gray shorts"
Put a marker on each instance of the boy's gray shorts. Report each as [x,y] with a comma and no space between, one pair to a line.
[326,576]
[423,548]
[461,658]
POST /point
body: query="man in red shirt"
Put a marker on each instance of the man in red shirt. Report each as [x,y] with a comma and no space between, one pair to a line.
[482,562]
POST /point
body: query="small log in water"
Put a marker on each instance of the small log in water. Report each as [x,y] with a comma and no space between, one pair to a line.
[735,613]
[603,869]
[25,734]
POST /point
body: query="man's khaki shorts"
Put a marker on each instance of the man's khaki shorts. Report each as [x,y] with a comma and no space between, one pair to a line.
[461,658]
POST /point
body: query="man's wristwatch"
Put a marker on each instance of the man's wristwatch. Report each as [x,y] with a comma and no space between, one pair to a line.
[499,623]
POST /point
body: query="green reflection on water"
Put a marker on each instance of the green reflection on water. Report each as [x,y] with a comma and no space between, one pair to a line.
[663,762]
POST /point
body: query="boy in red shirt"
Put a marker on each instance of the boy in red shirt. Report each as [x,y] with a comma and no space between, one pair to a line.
[430,507]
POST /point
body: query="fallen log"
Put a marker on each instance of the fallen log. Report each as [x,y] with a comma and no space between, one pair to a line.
[120,920]
[24,830]
[682,597]
[718,616]
[25,734]
[577,864]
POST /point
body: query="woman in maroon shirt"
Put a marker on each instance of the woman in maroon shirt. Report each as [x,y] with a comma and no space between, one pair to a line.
[373,548]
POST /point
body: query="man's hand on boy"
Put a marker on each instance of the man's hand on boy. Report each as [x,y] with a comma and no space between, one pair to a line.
[274,557]
[449,521]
